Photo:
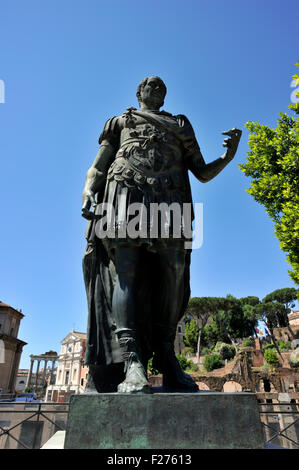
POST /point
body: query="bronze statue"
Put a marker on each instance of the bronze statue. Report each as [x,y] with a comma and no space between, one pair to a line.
[138,287]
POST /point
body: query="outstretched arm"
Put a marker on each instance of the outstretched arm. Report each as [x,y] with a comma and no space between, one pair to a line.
[207,171]
[96,176]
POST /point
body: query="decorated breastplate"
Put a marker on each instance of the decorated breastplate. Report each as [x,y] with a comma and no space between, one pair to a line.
[149,157]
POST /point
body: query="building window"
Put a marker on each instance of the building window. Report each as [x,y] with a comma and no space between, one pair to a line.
[67,376]
[82,382]
[59,375]
[74,374]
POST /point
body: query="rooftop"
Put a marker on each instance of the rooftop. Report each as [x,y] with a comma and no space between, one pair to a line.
[4,305]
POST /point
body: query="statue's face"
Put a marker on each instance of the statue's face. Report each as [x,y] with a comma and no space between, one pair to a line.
[153,92]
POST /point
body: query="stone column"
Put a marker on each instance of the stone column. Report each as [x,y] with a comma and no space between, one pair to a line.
[37,370]
[52,371]
[30,373]
[44,373]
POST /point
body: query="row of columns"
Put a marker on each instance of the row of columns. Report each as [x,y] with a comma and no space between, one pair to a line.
[39,359]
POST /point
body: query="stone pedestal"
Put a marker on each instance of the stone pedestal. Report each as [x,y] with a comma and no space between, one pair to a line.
[164,421]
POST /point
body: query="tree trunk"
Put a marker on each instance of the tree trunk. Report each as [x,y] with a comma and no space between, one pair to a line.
[204,319]
[198,344]
[230,338]
[232,341]
[290,329]
[274,341]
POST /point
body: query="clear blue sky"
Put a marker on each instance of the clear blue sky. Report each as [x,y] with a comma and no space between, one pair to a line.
[70,65]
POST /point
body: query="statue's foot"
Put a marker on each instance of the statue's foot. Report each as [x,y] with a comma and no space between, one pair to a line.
[173,376]
[180,381]
[136,380]
[103,379]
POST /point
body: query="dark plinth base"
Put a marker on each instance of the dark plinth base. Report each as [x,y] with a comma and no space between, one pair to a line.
[164,421]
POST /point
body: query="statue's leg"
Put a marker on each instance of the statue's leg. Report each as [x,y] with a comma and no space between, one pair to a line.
[127,260]
[103,378]
[172,267]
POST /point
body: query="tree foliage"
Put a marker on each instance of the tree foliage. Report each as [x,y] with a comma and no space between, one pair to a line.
[271,357]
[286,297]
[249,300]
[184,362]
[225,351]
[199,310]
[231,318]
[273,165]
[191,334]
[270,313]
[247,343]
[234,319]
[212,362]
[151,368]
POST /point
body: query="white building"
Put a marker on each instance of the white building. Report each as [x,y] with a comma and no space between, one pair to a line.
[21,380]
[71,372]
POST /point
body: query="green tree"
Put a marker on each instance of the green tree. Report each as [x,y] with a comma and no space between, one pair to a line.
[248,303]
[247,342]
[211,335]
[237,319]
[287,297]
[271,357]
[273,165]
[225,351]
[227,317]
[249,300]
[191,334]
[150,367]
[212,362]
[200,309]
[268,313]
[232,319]
[183,361]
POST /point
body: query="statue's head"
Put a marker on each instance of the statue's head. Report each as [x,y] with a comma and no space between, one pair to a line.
[151,91]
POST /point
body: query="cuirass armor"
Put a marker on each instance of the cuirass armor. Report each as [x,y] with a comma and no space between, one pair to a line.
[149,158]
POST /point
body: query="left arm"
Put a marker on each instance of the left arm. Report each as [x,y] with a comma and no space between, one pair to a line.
[204,172]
